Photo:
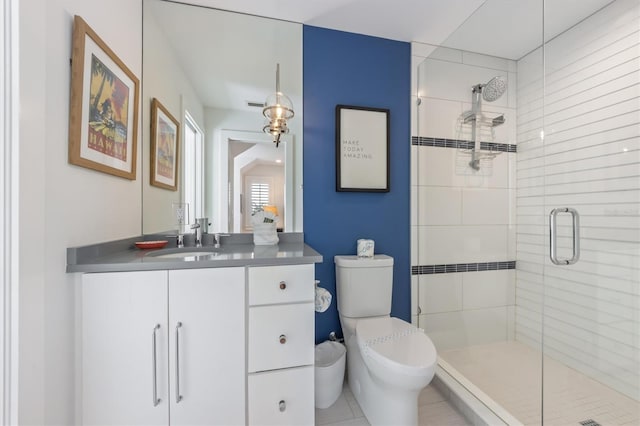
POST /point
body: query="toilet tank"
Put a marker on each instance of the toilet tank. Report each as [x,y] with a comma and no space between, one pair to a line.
[364,285]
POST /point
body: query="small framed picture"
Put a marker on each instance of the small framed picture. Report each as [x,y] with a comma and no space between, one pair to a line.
[103,113]
[165,147]
[362,149]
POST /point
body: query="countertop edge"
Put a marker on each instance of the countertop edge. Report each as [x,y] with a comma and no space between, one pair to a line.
[161,266]
[119,256]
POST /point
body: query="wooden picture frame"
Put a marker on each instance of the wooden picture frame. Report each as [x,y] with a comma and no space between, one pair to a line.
[362,149]
[165,147]
[103,112]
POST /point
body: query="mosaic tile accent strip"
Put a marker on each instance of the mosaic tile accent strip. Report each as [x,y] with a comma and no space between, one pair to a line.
[462,144]
[462,267]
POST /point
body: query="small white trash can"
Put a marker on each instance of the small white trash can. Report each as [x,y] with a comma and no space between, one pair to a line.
[329,372]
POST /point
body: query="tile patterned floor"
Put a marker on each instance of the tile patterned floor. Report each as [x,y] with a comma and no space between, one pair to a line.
[510,373]
[434,410]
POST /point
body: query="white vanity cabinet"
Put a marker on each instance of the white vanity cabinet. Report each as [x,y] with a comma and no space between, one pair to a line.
[164,347]
[281,342]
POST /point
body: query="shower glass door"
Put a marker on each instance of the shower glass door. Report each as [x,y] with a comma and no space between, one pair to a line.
[536,340]
[477,240]
[589,176]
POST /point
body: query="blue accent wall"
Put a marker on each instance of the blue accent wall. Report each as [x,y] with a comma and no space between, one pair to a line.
[354,69]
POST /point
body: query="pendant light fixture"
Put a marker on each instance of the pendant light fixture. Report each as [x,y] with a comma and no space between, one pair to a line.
[277,110]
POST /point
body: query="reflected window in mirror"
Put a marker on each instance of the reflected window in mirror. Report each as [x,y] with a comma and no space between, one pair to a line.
[193,168]
[261,194]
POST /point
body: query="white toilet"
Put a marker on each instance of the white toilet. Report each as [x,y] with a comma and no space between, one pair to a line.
[389,361]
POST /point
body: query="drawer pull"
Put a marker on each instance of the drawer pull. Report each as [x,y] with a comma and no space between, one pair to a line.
[282,405]
[283,339]
[283,285]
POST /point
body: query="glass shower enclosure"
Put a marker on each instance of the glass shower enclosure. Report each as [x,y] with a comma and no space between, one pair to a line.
[526,210]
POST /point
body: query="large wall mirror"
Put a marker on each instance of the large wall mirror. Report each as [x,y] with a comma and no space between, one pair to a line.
[212,70]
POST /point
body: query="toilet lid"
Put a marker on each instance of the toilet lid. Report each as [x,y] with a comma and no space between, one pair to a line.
[396,344]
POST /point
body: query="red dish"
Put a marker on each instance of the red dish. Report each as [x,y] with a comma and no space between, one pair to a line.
[151,244]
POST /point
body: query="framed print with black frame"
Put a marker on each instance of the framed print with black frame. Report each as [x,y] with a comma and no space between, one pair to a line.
[362,149]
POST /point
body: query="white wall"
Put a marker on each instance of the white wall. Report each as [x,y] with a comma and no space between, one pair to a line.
[165,80]
[590,160]
[460,216]
[62,205]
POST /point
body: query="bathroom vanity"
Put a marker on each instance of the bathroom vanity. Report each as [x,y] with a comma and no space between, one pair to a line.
[222,338]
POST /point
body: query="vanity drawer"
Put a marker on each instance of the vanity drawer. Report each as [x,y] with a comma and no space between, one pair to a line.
[281,284]
[283,397]
[281,336]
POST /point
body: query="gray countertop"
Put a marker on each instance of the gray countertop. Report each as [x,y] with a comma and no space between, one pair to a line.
[122,255]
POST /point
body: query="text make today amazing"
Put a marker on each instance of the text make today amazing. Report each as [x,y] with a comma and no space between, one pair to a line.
[352,149]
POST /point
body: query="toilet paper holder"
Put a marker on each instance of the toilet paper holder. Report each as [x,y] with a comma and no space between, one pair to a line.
[322,298]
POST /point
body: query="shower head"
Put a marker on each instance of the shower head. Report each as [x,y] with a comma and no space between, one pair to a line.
[494,88]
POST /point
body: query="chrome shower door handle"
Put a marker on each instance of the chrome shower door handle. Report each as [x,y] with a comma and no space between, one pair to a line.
[178,396]
[553,237]
[154,365]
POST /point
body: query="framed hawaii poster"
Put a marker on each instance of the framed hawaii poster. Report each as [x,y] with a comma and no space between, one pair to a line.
[103,113]
[165,146]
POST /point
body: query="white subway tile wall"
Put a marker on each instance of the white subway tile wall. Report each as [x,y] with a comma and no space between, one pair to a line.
[440,292]
[461,219]
[489,289]
[439,205]
[457,329]
[590,160]
[449,167]
[488,206]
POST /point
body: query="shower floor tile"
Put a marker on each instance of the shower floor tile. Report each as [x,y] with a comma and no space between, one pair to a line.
[510,373]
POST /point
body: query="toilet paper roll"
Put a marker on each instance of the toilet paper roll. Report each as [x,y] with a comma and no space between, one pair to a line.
[323,298]
[365,248]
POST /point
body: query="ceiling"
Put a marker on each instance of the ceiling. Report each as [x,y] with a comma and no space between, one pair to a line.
[504,28]
[240,70]
[229,58]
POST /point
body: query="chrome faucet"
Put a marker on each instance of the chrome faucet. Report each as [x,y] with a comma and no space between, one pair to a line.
[198,232]
[218,237]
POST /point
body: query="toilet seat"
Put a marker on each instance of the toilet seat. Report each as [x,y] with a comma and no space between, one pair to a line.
[396,345]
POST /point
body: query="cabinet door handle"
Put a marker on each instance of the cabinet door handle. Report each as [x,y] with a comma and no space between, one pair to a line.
[154,365]
[283,339]
[282,405]
[178,396]
[283,285]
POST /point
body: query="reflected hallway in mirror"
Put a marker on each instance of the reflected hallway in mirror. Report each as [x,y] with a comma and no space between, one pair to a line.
[213,69]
